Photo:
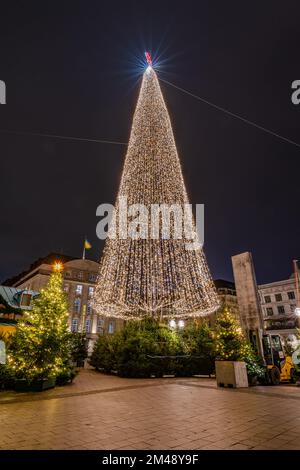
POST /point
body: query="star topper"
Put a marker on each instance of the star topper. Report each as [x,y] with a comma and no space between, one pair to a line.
[148,58]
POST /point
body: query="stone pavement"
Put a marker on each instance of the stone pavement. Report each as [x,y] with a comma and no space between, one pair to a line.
[106,412]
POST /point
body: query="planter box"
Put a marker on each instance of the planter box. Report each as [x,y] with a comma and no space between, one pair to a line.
[231,374]
[35,386]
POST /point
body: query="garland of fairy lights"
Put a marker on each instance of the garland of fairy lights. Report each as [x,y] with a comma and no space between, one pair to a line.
[153,276]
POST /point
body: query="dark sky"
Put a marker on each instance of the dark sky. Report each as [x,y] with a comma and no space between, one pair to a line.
[73,68]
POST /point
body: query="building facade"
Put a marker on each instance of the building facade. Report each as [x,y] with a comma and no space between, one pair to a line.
[80,276]
[266,308]
[227,295]
[278,303]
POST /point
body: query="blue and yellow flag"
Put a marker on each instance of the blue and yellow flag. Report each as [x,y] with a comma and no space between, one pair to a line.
[87,244]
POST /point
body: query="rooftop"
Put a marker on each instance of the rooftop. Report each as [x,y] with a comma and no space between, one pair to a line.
[49,259]
[10,298]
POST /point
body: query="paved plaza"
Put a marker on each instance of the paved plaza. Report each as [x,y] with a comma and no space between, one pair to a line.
[106,412]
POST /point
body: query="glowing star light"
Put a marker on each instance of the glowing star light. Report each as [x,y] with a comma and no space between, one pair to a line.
[57,267]
[148,58]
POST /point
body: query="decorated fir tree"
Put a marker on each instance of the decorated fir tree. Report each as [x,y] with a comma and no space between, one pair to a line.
[40,348]
[79,348]
[230,343]
[152,276]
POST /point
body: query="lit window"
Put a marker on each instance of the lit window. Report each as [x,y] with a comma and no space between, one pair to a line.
[100,326]
[280,309]
[87,326]
[267,299]
[269,311]
[291,295]
[91,291]
[25,300]
[278,297]
[110,327]
[77,303]
[78,289]
[74,326]
[89,309]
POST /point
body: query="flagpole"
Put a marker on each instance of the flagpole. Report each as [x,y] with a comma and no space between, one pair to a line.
[83,253]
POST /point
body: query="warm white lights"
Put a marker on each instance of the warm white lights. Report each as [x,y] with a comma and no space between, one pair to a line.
[172,324]
[158,277]
[297,311]
[181,324]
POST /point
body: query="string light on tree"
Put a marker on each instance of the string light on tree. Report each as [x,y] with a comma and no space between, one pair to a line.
[158,277]
[40,346]
[230,342]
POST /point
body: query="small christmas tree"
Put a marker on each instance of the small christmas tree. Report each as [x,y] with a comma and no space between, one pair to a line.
[79,348]
[40,349]
[230,343]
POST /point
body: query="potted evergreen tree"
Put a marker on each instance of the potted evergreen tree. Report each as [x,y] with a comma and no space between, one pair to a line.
[40,349]
[235,359]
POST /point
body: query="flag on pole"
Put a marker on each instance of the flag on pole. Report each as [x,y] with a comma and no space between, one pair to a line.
[86,246]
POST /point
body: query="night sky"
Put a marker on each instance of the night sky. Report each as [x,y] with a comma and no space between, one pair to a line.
[74,69]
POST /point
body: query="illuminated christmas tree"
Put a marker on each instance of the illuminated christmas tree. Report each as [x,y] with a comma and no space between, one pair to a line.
[230,342]
[40,347]
[153,276]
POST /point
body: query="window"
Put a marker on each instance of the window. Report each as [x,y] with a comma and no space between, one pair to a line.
[67,274]
[92,277]
[25,300]
[267,299]
[291,295]
[280,309]
[292,307]
[89,309]
[87,326]
[100,326]
[78,289]
[269,311]
[66,288]
[278,297]
[74,326]
[110,327]
[77,303]
[276,343]
[91,291]
[80,275]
